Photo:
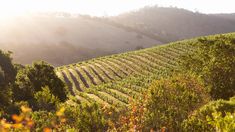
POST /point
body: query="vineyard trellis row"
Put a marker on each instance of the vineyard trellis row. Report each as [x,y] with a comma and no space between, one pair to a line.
[115,80]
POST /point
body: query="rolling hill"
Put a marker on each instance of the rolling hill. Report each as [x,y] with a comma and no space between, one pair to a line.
[61,38]
[113,80]
[65,40]
[227,16]
[172,24]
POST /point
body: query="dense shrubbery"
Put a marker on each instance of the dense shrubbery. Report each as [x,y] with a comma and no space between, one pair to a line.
[167,103]
[207,118]
[7,77]
[170,101]
[36,86]
[39,85]
[32,79]
[214,62]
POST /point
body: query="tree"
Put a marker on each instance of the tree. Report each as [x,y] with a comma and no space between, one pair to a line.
[32,79]
[7,77]
[7,67]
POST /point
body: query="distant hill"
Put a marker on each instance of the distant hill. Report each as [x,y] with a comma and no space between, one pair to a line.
[62,38]
[227,16]
[66,40]
[173,24]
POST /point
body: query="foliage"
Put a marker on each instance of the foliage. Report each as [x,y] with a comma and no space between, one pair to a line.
[50,121]
[7,67]
[22,122]
[198,121]
[7,77]
[87,117]
[222,123]
[115,93]
[133,118]
[170,100]
[214,62]
[45,100]
[32,79]
[166,103]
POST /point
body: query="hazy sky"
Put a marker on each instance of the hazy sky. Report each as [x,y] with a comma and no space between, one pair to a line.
[110,7]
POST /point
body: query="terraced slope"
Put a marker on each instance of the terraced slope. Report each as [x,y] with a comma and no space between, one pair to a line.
[114,80]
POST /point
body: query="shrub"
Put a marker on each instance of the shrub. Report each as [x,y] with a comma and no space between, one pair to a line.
[198,121]
[42,119]
[164,105]
[214,62]
[87,117]
[170,100]
[222,123]
[7,77]
[45,100]
[32,79]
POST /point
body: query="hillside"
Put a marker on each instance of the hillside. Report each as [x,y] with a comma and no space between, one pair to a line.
[61,38]
[113,80]
[153,89]
[65,40]
[227,16]
[173,24]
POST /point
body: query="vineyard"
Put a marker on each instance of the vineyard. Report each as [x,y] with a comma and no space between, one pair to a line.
[153,89]
[114,80]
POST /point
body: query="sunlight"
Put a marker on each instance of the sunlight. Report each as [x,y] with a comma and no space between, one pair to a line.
[9,8]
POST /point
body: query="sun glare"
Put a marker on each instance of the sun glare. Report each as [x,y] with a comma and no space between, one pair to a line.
[9,8]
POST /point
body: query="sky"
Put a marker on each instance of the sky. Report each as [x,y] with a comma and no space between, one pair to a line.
[109,7]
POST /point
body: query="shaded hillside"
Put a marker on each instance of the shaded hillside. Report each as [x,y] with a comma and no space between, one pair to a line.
[64,40]
[175,24]
[227,16]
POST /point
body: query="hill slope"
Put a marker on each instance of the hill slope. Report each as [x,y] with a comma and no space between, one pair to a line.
[114,80]
[174,24]
[64,40]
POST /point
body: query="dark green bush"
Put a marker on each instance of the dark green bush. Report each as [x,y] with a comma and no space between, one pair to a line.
[32,79]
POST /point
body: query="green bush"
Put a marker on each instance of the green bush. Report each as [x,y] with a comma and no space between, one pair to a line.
[170,100]
[222,123]
[87,117]
[214,62]
[198,121]
[42,119]
[7,78]
[45,100]
[32,79]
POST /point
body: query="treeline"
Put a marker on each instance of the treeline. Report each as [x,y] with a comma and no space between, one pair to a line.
[197,96]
